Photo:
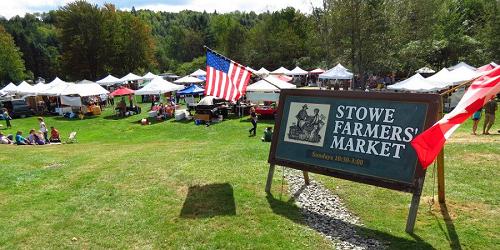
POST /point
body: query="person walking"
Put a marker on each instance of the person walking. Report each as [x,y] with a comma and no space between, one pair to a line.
[475,119]
[253,119]
[7,118]
[43,129]
[489,115]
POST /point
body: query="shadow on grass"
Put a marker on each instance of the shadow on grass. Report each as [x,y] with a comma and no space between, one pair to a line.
[209,201]
[289,210]
[62,118]
[450,232]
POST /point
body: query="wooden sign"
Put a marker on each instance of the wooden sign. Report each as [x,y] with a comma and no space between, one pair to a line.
[359,136]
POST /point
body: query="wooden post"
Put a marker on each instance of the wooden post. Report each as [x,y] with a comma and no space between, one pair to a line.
[306,178]
[440,164]
[270,178]
[415,201]
[440,176]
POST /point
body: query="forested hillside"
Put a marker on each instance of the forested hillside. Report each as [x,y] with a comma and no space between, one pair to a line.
[82,40]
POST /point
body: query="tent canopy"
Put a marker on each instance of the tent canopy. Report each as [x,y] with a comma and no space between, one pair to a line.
[109,80]
[262,71]
[10,88]
[122,91]
[441,79]
[158,86]
[425,70]
[149,76]
[487,67]
[89,89]
[297,71]
[416,83]
[463,74]
[192,90]
[199,72]
[188,79]
[281,71]
[131,77]
[338,72]
[58,88]
[317,71]
[461,64]
[269,84]
[25,88]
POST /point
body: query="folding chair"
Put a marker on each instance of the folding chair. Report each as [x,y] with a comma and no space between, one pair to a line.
[72,138]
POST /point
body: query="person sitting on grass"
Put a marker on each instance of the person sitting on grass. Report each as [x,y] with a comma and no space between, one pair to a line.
[268,135]
[20,140]
[54,135]
[4,139]
[35,139]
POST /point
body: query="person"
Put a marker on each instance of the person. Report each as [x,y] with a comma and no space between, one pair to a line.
[7,118]
[35,139]
[253,119]
[475,119]
[4,139]
[302,116]
[489,115]
[43,129]
[268,134]
[54,135]
[20,140]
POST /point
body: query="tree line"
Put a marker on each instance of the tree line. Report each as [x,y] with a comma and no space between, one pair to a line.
[85,41]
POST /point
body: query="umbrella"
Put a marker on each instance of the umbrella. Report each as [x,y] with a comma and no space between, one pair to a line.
[122,91]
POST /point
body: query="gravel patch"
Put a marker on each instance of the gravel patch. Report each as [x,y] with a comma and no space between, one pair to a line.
[324,212]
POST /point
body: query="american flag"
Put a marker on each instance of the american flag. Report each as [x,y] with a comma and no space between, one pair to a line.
[225,78]
[429,143]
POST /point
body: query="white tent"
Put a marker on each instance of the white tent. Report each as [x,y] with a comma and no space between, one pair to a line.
[84,81]
[441,79]
[297,71]
[39,87]
[25,88]
[416,83]
[281,71]
[425,70]
[461,64]
[463,74]
[59,88]
[149,76]
[188,79]
[158,86]
[267,89]
[262,71]
[109,80]
[199,72]
[338,72]
[131,77]
[89,89]
[10,88]
[317,71]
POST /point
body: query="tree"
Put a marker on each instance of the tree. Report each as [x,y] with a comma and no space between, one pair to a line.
[11,64]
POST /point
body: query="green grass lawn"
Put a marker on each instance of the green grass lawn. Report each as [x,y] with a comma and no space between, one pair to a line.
[177,185]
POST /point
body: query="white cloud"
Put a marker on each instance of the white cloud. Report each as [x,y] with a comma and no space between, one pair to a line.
[223,6]
[10,8]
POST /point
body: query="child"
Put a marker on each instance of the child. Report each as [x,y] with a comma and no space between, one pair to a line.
[268,135]
[7,118]
[4,139]
[475,118]
[43,129]
[54,135]
[35,139]
[20,140]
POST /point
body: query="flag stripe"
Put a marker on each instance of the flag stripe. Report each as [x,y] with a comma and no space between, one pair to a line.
[225,79]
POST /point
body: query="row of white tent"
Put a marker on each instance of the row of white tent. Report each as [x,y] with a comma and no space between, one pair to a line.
[443,79]
[57,87]
[111,80]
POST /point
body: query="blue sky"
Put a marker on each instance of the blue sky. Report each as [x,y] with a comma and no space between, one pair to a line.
[10,8]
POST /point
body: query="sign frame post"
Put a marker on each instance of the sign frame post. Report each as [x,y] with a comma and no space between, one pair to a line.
[310,158]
